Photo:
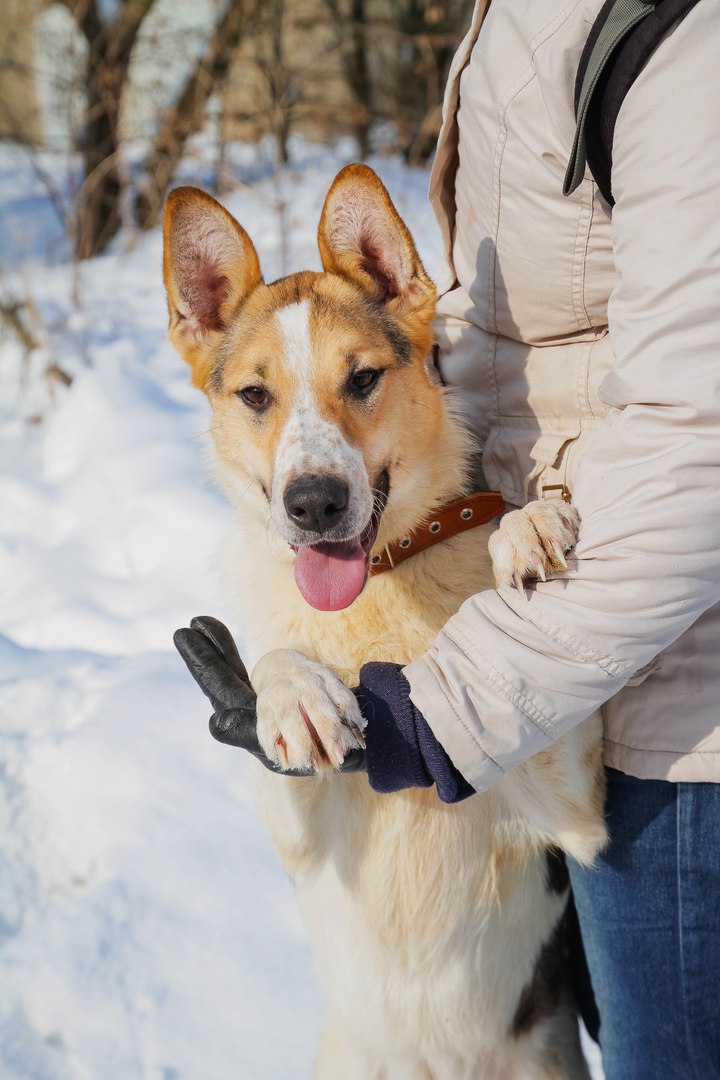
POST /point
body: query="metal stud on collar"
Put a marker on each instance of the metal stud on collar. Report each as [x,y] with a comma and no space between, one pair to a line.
[464,513]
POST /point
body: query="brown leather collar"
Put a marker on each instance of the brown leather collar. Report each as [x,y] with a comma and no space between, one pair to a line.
[456,517]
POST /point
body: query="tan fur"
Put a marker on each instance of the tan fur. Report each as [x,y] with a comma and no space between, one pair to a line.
[425,919]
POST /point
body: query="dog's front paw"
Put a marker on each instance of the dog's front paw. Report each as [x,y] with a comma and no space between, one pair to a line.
[306,717]
[533,542]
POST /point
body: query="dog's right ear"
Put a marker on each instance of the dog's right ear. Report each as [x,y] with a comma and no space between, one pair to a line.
[210,266]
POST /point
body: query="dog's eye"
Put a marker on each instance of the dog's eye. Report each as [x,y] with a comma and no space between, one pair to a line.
[362,382]
[255,396]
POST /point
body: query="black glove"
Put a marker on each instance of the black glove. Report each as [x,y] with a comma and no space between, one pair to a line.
[213,661]
[402,750]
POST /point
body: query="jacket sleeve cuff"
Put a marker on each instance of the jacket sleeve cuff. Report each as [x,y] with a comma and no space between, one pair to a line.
[402,751]
[429,691]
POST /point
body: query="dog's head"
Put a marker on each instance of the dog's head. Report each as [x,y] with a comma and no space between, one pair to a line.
[323,400]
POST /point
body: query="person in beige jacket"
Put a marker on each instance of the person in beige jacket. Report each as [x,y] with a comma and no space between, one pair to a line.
[586,344]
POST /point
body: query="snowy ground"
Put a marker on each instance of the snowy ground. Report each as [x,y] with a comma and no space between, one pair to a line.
[147,931]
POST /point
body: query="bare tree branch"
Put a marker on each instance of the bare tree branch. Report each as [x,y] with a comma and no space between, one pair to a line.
[86,15]
[11,313]
[186,117]
[110,46]
[351,27]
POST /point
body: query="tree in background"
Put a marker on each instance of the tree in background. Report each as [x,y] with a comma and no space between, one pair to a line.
[19,106]
[276,71]
[110,42]
[396,58]
[427,35]
[109,48]
[320,68]
[350,24]
[187,115]
[324,68]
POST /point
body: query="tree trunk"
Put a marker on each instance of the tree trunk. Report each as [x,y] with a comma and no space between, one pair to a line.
[109,48]
[98,211]
[273,66]
[357,68]
[187,115]
[359,79]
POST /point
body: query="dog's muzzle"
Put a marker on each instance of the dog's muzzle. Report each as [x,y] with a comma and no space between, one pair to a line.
[332,573]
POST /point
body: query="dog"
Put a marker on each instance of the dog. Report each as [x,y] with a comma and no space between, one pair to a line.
[436,929]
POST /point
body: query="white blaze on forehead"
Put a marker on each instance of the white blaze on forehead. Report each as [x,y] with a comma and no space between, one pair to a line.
[293,322]
[309,444]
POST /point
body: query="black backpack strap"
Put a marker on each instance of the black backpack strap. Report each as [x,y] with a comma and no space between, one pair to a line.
[621,41]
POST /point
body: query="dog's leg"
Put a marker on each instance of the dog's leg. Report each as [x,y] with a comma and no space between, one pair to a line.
[344,1058]
[533,542]
[306,717]
[559,792]
[340,1058]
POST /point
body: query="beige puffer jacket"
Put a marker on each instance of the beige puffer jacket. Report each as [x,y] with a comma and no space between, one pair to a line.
[533,280]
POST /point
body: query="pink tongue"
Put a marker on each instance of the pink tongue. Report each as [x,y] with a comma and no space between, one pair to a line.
[331,576]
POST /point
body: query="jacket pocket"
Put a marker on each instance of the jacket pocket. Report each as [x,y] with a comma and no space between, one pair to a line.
[517,461]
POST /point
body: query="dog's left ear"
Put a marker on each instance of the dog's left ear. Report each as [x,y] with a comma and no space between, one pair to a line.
[362,236]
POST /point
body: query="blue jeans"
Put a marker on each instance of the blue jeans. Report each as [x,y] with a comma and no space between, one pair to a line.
[649,912]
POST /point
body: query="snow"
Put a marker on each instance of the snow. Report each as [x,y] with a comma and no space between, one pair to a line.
[146,928]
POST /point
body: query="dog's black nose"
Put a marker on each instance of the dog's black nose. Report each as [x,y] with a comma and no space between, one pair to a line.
[316,503]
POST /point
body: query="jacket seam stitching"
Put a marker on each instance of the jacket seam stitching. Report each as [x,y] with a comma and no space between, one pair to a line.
[579,263]
[472,734]
[520,84]
[610,665]
[661,750]
[551,27]
[586,249]
[578,277]
[520,701]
